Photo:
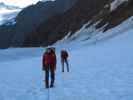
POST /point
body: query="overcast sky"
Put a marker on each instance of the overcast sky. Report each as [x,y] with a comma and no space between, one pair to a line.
[20,3]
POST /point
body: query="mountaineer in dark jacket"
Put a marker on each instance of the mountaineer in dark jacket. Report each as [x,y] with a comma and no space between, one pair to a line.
[49,66]
[64,59]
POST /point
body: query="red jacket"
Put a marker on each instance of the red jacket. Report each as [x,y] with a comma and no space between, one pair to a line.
[49,59]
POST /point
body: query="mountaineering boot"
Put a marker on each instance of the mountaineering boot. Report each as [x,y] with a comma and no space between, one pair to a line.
[51,86]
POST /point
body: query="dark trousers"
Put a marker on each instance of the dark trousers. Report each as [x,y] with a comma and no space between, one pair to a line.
[65,61]
[49,70]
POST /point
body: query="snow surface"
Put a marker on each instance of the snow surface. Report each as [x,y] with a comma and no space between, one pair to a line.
[100,71]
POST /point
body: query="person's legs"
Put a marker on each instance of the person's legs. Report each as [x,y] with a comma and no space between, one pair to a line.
[47,78]
[66,61]
[52,71]
[62,62]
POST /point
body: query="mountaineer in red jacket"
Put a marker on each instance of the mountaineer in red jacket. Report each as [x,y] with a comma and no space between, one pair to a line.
[49,66]
[64,59]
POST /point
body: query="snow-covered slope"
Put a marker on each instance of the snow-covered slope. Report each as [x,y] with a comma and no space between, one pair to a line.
[100,71]
[116,3]
[7,13]
[90,36]
[10,7]
[8,16]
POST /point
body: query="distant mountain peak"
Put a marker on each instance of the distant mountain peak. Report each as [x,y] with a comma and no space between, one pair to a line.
[8,12]
[10,7]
